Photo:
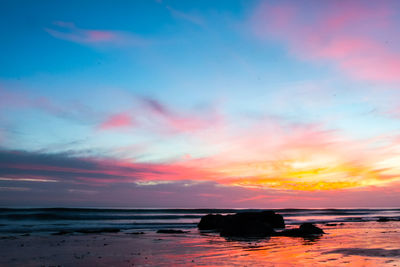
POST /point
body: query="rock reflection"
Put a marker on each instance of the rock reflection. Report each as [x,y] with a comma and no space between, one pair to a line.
[311,240]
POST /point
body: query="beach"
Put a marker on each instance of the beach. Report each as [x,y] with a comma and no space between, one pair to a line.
[352,243]
[355,244]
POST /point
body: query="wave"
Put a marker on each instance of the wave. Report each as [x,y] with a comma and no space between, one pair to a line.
[69,219]
[75,217]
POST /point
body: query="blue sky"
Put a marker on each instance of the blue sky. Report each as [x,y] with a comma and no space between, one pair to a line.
[215,88]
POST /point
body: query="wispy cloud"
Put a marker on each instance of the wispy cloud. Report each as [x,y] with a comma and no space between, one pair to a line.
[120,120]
[298,157]
[27,180]
[151,114]
[263,153]
[182,121]
[70,32]
[76,111]
[13,188]
[357,36]
[192,18]
[22,166]
[274,153]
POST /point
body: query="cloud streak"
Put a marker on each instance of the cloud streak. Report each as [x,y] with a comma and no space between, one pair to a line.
[18,100]
[41,167]
[186,16]
[151,114]
[94,37]
[182,122]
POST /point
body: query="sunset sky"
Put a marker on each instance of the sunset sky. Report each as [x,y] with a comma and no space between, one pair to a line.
[228,103]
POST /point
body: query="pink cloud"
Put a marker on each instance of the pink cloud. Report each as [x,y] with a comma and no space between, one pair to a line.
[182,121]
[120,120]
[169,184]
[153,115]
[351,35]
[273,154]
[70,32]
[100,36]
[149,114]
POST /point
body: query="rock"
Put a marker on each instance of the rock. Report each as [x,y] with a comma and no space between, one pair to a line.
[309,228]
[219,222]
[243,224]
[170,231]
[331,224]
[388,219]
[247,228]
[306,229]
[211,222]
[269,217]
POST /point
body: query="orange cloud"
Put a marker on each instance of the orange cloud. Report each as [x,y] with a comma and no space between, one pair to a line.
[297,157]
[268,154]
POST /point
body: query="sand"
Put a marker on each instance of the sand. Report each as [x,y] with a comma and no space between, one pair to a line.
[355,244]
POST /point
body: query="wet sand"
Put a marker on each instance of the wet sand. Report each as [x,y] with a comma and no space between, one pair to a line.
[354,244]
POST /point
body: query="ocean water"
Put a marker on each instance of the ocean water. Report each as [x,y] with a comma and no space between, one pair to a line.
[49,220]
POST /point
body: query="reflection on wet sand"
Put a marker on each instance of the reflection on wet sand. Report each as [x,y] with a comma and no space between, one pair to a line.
[355,244]
[333,249]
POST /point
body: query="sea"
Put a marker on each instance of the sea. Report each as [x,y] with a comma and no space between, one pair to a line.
[53,220]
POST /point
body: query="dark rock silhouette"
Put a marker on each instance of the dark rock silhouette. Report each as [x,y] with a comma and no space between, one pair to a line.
[331,224]
[212,222]
[243,224]
[306,229]
[387,219]
[247,228]
[218,221]
[254,224]
[383,219]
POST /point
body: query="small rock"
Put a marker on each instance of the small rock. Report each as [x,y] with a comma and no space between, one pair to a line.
[386,219]
[306,229]
[331,224]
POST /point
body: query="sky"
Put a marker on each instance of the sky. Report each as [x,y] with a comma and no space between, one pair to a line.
[201,103]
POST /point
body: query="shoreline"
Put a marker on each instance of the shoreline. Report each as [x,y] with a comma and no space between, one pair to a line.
[65,220]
